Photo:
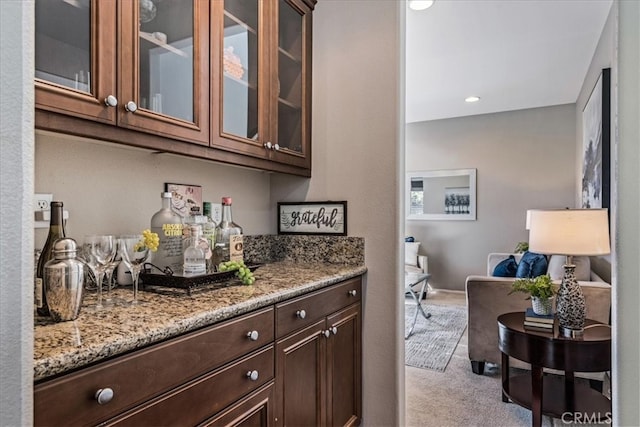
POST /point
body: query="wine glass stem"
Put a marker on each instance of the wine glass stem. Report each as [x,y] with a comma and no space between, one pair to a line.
[135,272]
[99,278]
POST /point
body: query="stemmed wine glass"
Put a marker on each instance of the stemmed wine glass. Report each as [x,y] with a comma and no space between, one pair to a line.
[134,254]
[108,274]
[99,251]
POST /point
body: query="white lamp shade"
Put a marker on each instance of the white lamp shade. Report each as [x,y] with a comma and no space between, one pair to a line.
[569,231]
[420,4]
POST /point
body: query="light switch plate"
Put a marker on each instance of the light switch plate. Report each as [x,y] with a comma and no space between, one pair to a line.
[216,212]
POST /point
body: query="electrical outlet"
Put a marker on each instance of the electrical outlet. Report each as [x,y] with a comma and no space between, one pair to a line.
[42,208]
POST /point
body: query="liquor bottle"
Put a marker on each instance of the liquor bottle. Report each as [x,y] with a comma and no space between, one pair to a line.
[204,242]
[56,231]
[228,237]
[168,225]
[209,233]
[194,255]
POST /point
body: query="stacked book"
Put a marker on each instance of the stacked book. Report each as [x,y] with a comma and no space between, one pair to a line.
[538,322]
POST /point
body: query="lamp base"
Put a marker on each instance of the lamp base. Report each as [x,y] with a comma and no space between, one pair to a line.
[570,333]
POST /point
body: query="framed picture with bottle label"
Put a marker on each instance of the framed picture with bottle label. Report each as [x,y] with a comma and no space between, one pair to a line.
[325,218]
[186,199]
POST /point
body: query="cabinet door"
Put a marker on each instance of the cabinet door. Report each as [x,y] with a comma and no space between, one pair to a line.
[163,67]
[291,99]
[344,371]
[255,410]
[301,377]
[75,58]
[239,69]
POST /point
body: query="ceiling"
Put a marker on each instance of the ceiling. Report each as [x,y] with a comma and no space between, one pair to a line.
[513,54]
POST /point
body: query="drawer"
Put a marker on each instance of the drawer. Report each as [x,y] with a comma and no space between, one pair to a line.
[139,376]
[205,396]
[303,311]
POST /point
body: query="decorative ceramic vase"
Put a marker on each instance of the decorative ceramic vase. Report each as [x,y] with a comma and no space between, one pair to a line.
[542,306]
[570,307]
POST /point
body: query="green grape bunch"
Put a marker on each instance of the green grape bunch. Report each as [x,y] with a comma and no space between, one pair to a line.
[242,271]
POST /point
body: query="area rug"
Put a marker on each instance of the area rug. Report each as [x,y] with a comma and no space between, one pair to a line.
[433,340]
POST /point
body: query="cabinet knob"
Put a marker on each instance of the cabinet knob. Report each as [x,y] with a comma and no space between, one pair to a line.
[252,375]
[353,292]
[301,314]
[276,146]
[253,335]
[131,107]
[104,396]
[268,145]
[327,333]
[334,330]
[111,101]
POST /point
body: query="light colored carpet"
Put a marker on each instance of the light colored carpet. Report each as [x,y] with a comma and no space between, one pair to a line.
[433,340]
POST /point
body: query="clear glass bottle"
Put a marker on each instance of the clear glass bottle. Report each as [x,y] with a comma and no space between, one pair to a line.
[56,231]
[194,255]
[209,233]
[168,225]
[228,237]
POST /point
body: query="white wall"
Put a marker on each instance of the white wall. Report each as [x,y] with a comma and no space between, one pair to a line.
[356,87]
[626,221]
[16,195]
[524,159]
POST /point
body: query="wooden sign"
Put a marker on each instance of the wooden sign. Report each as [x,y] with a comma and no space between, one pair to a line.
[312,218]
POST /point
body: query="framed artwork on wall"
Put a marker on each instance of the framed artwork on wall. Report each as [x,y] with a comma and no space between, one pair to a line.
[186,198]
[596,146]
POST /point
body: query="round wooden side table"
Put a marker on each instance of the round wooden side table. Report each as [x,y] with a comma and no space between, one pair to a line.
[555,396]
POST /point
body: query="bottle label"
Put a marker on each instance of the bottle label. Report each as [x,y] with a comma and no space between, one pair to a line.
[38,292]
[192,268]
[235,247]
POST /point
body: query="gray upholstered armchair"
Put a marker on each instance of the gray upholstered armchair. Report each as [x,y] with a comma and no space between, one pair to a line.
[488,297]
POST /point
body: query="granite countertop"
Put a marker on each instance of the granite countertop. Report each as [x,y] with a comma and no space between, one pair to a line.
[98,335]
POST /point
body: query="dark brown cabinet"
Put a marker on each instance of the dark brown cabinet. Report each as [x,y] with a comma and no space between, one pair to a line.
[271,367]
[139,65]
[318,367]
[225,80]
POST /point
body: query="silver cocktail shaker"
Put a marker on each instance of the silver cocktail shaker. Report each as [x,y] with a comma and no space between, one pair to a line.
[64,281]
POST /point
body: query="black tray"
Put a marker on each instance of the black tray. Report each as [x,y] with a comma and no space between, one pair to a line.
[152,281]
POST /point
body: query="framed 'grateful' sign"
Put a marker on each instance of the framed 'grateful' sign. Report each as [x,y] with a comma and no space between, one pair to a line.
[312,218]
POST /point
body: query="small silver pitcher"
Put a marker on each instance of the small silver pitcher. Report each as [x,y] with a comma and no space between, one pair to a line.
[64,281]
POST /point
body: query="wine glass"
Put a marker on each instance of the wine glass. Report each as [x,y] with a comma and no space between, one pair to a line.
[108,274]
[134,254]
[99,251]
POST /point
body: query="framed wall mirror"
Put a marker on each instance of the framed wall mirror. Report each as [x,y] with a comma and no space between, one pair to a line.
[441,195]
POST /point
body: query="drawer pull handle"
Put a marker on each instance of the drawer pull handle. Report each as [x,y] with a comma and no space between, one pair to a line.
[334,330]
[104,396]
[327,333]
[253,335]
[252,375]
[301,314]
[353,292]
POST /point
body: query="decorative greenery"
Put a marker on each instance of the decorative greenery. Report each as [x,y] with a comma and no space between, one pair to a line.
[521,247]
[540,287]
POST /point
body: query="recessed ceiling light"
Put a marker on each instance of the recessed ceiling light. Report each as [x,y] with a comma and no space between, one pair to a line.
[420,4]
[472,99]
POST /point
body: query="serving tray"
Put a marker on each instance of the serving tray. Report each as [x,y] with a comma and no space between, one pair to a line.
[160,282]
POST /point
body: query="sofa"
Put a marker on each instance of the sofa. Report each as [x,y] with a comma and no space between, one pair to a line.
[488,297]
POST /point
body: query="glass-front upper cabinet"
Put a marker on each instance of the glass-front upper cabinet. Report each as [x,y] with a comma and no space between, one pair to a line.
[75,62]
[164,67]
[261,53]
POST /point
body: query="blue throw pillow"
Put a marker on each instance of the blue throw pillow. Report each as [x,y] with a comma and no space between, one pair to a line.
[532,265]
[506,268]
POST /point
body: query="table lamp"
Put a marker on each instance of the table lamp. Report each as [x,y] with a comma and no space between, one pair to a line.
[569,232]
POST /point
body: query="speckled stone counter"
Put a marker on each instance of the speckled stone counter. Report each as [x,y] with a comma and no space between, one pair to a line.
[98,335]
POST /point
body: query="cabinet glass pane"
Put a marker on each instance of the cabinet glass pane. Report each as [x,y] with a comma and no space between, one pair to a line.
[63,42]
[290,26]
[240,66]
[166,57]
